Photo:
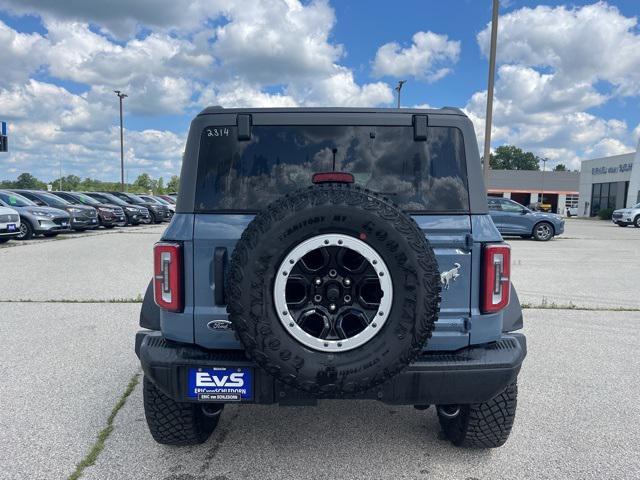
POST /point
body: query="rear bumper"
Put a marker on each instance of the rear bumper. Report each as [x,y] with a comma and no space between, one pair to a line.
[470,375]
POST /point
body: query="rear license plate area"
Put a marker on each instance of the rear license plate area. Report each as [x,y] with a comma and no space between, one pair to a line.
[220,384]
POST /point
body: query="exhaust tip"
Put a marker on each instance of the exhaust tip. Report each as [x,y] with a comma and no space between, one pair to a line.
[212,410]
[449,411]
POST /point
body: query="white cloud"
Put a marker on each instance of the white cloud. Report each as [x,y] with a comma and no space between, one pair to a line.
[171,58]
[552,62]
[21,54]
[581,44]
[429,57]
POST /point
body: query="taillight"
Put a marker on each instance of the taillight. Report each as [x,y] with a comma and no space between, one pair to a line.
[167,276]
[496,265]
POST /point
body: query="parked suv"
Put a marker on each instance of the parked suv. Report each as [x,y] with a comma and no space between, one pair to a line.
[109,215]
[159,201]
[34,219]
[159,213]
[9,224]
[134,214]
[627,216]
[82,217]
[511,218]
[331,254]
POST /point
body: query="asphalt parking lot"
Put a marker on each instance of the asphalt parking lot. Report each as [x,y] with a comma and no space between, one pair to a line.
[69,311]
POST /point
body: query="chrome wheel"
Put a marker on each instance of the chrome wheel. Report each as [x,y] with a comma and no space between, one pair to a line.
[544,232]
[333,293]
[23,231]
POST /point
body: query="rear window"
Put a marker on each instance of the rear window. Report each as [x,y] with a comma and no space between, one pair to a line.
[420,176]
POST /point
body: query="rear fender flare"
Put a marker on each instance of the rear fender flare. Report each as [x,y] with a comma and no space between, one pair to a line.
[512,314]
[150,312]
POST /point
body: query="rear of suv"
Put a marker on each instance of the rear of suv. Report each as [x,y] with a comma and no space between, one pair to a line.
[331,254]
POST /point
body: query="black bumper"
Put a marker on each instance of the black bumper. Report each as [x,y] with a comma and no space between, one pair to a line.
[471,375]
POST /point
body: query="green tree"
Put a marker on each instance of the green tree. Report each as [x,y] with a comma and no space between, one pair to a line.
[173,184]
[143,183]
[28,181]
[561,167]
[510,157]
[159,186]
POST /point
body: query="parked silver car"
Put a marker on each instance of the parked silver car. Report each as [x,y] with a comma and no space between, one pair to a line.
[511,218]
[627,216]
[35,220]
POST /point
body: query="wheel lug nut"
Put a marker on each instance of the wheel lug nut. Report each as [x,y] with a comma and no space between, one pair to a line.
[317,281]
[317,298]
[347,281]
[332,273]
[347,299]
[332,307]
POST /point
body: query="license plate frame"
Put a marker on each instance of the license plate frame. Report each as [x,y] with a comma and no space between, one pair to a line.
[220,384]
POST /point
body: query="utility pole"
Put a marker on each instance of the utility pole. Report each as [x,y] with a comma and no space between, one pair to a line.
[399,89]
[544,167]
[492,72]
[121,96]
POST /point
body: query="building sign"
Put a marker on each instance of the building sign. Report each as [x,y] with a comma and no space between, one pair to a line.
[623,167]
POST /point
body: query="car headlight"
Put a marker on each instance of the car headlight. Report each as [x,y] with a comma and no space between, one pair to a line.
[40,213]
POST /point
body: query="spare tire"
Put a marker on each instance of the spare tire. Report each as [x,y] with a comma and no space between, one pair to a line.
[333,289]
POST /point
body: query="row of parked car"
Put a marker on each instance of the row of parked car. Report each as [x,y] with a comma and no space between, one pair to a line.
[27,213]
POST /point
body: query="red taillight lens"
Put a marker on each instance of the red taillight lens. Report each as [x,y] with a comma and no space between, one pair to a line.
[496,265]
[167,276]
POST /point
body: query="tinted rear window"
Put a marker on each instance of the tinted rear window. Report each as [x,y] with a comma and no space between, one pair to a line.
[247,175]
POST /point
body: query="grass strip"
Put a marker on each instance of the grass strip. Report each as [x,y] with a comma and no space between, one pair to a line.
[571,306]
[91,457]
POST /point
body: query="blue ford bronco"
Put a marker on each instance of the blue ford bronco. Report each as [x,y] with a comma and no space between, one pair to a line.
[331,253]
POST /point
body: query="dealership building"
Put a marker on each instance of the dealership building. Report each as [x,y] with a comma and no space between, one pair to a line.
[607,182]
[560,189]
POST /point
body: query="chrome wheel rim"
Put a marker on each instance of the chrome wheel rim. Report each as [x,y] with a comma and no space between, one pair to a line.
[333,293]
[543,231]
[23,231]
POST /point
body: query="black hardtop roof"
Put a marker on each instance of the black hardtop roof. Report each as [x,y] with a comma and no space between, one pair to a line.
[414,111]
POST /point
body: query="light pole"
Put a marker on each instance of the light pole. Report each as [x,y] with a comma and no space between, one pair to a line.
[121,96]
[492,72]
[544,167]
[399,89]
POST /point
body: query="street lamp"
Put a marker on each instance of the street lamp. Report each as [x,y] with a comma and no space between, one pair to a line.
[399,89]
[121,96]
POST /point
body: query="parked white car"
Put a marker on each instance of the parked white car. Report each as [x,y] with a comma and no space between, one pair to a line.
[9,224]
[627,216]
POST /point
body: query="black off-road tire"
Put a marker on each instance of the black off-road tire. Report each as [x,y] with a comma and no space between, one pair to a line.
[483,425]
[341,209]
[175,423]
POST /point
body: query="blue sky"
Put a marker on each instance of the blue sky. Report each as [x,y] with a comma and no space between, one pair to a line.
[568,83]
